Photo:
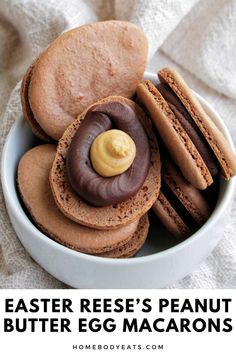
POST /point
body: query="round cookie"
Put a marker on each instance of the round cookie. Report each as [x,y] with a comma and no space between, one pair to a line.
[180,206]
[34,187]
[192,139]
[114,215]
[80,67]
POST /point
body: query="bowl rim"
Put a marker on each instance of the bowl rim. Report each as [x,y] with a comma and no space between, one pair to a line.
[19,213]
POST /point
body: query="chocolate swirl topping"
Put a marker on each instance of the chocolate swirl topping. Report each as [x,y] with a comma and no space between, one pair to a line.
[93,188]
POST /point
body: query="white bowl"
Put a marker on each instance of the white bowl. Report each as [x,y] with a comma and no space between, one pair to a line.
[161,261]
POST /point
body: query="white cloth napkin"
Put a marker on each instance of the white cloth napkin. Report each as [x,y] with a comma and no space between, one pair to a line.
[196,37]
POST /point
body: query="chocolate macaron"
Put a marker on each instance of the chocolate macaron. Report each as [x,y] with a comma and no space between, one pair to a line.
[80,67]
[139,186]
[180,207]
[34,187]
[193,140]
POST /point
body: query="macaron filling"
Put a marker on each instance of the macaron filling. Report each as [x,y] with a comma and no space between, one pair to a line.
[190,127]
[180,209]
[95,189]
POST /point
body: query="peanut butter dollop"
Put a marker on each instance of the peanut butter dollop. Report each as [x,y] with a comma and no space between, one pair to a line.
[112,153]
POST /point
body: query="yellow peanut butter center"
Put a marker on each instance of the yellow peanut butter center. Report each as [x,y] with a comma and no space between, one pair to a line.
[112,153]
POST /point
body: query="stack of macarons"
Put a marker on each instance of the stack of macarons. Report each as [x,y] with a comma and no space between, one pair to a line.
[91,184]
[33,180]
[197,148]
[90,72]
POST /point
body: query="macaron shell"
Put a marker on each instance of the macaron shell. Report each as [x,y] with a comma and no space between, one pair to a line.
[213,135]
[134,244]
[115,215]
[82,66]
[169,217]
[189,196]
[34,186]
[28,114]
[177,141]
